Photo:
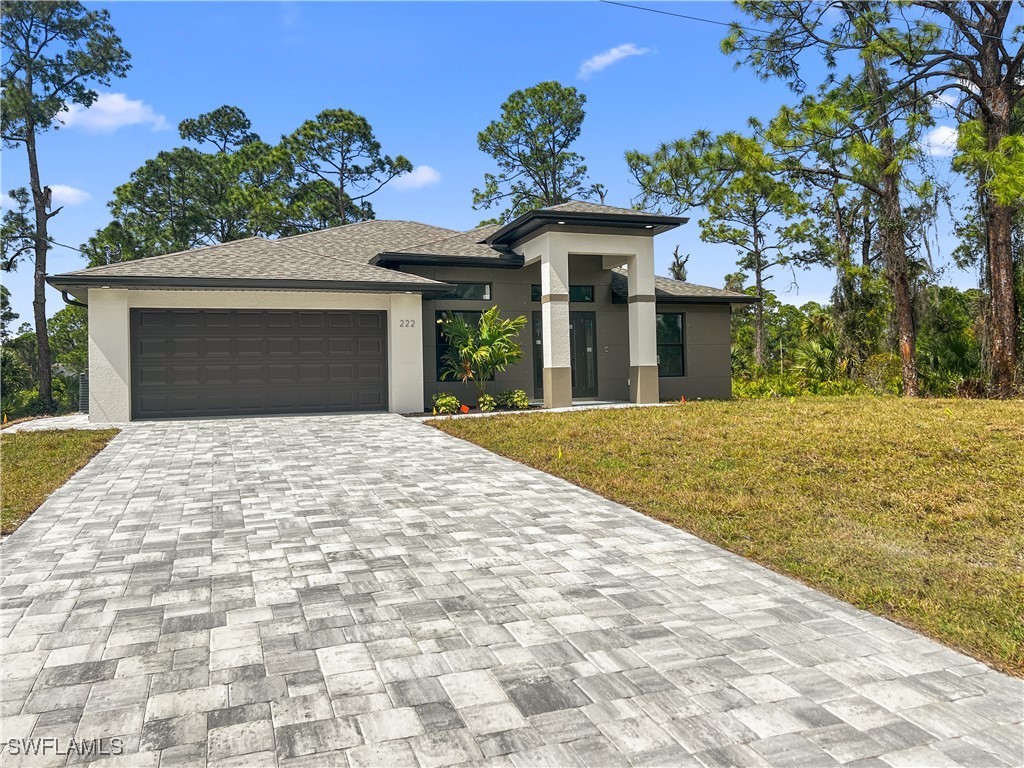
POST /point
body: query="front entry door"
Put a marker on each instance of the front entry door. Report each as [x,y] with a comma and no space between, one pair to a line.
[583,353]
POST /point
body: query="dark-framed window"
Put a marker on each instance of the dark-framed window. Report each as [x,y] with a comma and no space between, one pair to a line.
[671,333]
[581,293]
[468,292]
[471,316]
[576,293]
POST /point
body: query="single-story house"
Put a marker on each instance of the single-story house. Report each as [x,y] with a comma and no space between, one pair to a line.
[345,319]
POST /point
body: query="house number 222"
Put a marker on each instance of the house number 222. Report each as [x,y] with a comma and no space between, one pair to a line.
[406,323]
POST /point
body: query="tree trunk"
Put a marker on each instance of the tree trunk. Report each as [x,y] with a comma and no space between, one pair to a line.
[897,272]
[759,319]
[999,225]
[1002,348]
[893,236]
[42,245]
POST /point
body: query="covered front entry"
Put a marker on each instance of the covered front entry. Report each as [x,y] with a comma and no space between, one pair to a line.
[582,355]
[212,362]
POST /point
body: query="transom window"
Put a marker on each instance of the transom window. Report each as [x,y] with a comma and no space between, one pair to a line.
[670,333]
[468,292]
[576,293]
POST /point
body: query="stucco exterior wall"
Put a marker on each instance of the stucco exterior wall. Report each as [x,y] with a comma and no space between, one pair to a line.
[708,359]
[110,350]
[510,290]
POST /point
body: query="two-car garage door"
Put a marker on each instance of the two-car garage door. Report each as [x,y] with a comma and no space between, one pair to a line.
[189,363]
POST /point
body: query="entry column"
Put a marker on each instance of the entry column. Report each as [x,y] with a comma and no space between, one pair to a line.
[643,342]
[554,286]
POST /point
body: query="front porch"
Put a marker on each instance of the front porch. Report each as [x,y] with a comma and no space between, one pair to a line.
[572,354]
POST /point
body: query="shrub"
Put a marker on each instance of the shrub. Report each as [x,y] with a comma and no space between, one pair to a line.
[513,399]
[477,352]
[767,386]
[883,373]
[445,402]
[485,403]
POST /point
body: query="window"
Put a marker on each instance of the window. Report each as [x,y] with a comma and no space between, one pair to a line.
[670,344]
[470,316]
[576,293]
[581,293]
[469,292]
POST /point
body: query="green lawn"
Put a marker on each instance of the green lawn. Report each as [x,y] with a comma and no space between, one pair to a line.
[35,464]
[911,509]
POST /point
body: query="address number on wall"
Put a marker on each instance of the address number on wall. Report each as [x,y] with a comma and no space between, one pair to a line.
[406,323]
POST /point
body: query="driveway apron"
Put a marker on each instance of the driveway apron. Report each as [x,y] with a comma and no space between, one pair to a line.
[367,591]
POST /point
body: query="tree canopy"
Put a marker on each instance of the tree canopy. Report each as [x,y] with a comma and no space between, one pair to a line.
[531,143]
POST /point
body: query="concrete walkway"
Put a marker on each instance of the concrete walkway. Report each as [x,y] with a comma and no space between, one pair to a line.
[366,591]
[69,421]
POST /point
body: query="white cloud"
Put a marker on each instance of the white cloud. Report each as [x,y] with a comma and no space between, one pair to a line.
[940,141]
[420,176]
[112,111]
[65,195]
[609,57]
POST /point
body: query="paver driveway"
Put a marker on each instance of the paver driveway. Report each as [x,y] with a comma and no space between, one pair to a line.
[366,590]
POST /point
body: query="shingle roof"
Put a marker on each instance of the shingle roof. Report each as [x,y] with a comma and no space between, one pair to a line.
[668,290]
[458,244]
[365,239]
[253,259]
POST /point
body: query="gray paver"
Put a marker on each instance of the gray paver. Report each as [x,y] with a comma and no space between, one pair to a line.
[365,590]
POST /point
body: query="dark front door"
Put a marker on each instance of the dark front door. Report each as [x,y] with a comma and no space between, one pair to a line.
[583,353]
[238,362]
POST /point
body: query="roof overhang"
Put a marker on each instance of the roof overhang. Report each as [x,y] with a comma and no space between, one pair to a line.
[663,299]
[500,260]
[528,223]
[73,282]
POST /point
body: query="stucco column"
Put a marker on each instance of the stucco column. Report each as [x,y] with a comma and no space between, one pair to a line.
[405,353]
[554,287]
[109,356]
[643,342]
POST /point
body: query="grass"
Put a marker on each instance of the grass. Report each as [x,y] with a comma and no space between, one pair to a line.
[913,510]
[35,464]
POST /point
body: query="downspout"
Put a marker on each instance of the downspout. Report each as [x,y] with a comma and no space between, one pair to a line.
[72,302]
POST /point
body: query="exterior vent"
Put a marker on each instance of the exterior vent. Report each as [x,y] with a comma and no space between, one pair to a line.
[83,392]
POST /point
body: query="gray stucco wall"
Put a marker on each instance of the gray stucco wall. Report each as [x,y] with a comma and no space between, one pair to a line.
[706,340]
[708,360]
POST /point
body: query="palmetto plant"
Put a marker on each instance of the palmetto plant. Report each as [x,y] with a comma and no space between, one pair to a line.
[819,359]
[476,353]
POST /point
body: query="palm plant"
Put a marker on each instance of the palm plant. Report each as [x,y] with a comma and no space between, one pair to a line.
[476,353]
[819,359]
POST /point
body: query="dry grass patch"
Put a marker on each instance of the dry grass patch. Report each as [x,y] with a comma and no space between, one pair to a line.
[911,509]
[35,464]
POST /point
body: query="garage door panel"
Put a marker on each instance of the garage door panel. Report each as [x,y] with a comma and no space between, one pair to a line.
[249,375]
[239,362]
[248,347]
[340,346]
[369,346]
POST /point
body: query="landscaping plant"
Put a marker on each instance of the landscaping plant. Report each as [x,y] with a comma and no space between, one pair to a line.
[445,402]
[477,352]
[513,400]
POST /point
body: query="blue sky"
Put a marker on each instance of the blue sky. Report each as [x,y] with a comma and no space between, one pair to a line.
[428,77]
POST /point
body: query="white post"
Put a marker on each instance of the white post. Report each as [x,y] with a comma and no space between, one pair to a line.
[554,285]
[110,370]
[643,343]
[405,353]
